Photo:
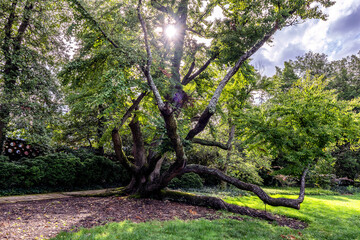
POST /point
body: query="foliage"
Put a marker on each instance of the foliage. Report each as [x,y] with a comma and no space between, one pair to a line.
[299,127]
[61,171]
[343,74]
[11,174]
[186,181]
[4,158]
[100,81]
[347,162]
[343,77]
[31,51]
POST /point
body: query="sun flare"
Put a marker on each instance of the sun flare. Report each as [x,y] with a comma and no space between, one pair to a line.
[170,31]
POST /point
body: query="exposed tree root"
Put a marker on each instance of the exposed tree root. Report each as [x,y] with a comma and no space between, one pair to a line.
[218,204]
[206,201]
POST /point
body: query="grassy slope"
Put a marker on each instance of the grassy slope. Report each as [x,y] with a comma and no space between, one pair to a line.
[329,217]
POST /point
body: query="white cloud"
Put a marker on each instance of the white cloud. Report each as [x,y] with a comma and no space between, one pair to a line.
[337,37]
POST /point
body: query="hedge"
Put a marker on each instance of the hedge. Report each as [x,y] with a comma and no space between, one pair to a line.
[61,171]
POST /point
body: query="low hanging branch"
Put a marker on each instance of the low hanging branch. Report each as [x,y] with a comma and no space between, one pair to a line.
[285,202]
[217,144]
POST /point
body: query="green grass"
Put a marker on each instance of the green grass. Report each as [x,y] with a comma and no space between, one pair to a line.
[328,216]
[197,229]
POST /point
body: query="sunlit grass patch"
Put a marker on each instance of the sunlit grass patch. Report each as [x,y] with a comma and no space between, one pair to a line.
[328,216]
[196,229]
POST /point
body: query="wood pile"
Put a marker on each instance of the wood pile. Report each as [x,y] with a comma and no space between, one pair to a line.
[17,149]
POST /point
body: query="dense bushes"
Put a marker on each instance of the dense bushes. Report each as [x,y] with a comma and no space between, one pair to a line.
[61,171]
[186,181]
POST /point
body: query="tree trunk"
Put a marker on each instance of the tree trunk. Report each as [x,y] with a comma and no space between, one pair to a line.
[2,133]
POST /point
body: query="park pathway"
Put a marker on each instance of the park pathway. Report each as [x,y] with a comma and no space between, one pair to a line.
[46,196]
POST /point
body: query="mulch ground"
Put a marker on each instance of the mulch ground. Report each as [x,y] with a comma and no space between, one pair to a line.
[46,218]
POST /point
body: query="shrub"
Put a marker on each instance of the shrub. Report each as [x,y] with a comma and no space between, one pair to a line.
[4,158]
[99,170]
[36,170]
[188,180]
[61,171]
[320,180]
[11,174]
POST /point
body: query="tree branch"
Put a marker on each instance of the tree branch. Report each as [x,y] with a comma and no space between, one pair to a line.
[131,109]
[182,12]
[285,202]
[116,139]
[210,143]
[189,78]
[24,25]
[120,155]
[88,16]
[176,168]
[194,31]
[231,135]
[7,29]
[210,109]
[163,9]
[147,68]
[138,147]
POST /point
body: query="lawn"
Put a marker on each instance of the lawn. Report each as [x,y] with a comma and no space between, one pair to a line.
[328,216]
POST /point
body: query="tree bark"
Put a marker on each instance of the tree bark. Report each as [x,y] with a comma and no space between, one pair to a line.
[215,203]
[285,202]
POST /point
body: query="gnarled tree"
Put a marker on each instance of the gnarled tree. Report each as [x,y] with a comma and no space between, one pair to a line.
[174,69]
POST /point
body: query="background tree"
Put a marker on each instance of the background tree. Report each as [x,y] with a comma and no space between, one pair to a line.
[31,47]
[299,127]
[343,77]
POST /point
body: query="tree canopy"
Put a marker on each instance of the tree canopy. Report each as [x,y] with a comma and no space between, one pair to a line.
[173,91]
[31,50]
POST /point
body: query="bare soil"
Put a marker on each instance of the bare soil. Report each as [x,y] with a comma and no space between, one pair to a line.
[43,219]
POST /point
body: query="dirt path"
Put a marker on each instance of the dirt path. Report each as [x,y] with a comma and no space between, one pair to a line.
[48,196]
[43,219]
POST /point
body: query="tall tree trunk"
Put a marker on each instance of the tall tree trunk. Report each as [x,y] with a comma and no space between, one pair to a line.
[11,47]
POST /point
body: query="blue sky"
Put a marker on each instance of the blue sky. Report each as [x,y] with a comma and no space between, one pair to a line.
[337,37]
